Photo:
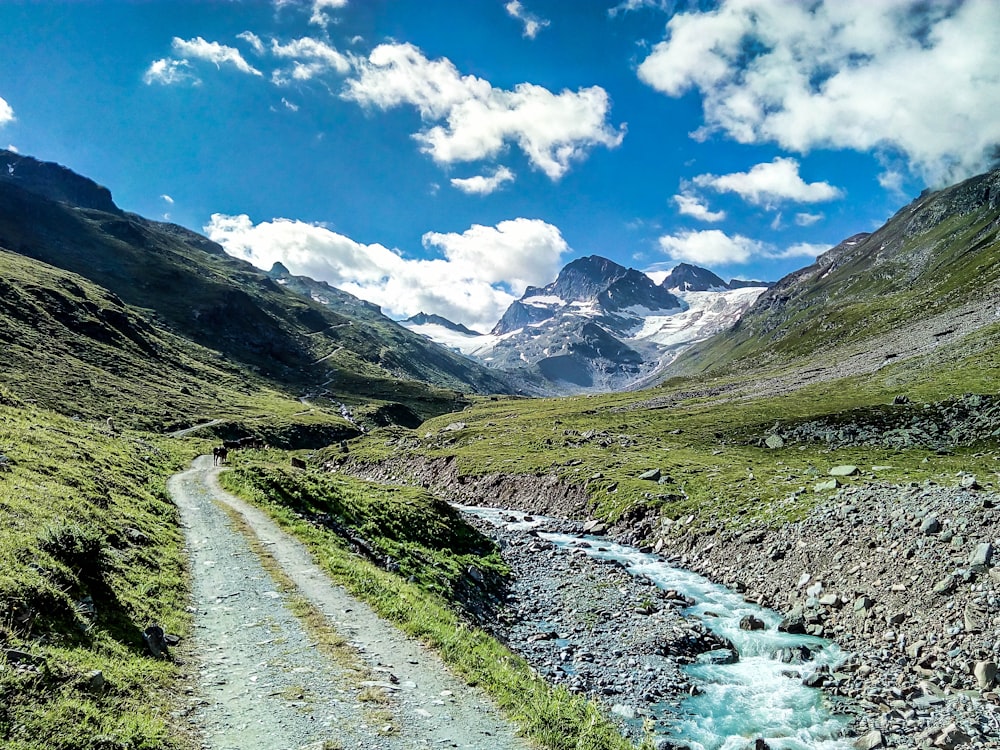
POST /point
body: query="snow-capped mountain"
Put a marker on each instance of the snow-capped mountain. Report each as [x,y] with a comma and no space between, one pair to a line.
[600,325]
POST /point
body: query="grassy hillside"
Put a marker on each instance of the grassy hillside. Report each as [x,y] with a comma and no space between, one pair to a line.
[90,555]
[936,256]
[183,283]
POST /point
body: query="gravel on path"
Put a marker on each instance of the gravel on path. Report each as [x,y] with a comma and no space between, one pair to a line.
[262,683]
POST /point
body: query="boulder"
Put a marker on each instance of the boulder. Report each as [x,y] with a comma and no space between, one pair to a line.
[985,673]
[824,486]
[775,441]
[981,556]
[869,741]
[749,622]
[718,656]
[653,475]
[930,525]
[844,470]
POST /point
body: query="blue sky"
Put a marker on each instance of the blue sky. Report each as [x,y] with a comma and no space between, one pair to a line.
[441,156]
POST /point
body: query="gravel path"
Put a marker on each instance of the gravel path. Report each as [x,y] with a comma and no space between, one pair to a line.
[262,683]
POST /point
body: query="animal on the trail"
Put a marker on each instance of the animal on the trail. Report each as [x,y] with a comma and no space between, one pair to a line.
[219,454]
[111,426]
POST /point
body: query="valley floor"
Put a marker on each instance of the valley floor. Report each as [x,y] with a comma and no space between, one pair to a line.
[263,679]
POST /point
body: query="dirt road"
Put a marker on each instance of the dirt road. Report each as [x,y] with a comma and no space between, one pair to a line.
[262,683]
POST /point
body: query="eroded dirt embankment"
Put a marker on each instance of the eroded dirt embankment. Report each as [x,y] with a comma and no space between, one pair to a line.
[902,576]
[547,494]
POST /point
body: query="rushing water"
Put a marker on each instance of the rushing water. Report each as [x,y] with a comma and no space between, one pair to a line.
[739,702]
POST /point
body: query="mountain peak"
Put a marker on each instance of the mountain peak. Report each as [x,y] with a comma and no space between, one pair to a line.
[688,278]
[55,182]
[423,319]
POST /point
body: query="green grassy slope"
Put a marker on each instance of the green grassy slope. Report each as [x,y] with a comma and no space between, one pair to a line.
[939,253]
[90,555]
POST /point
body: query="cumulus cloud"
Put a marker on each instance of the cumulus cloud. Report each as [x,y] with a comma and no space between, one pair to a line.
[479,121]
[483,184]
[709,247]
[311,57]
[319,15]
[213,52]
[481,272]
[168,71]
[532,23]
[713,247]
[770,183]
[907,76]
[807,219]
[689,204]
[6,112]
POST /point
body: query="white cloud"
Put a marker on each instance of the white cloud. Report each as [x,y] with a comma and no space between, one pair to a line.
[906,76]
[319,16]
[213,52]
[253,40]
[770,183]
[800,250]
[629,5]
[891,180]
[483,184]
[552,130]
[289,105]
[532,23]
[516,253]
[168,72]
[6,112]
[483,270]
[311,57]
[13,149]
[709,247]
[167,199]
[807,219]
[689,204]
[713,247]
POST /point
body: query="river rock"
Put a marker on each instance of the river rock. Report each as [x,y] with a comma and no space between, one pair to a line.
[945,586]
[951,737]
[749,622]
[869,741]
[981,556]
[718,656]
[985,672]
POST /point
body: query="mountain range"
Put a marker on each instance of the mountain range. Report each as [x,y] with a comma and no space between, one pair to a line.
[600,326]
[173,297]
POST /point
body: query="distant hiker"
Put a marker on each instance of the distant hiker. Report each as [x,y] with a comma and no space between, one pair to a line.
[343,447]
[219,454]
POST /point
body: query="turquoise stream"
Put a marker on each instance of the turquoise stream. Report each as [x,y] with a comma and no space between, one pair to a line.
[739,702]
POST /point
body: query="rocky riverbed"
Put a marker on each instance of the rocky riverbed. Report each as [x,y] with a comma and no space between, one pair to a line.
[902,577]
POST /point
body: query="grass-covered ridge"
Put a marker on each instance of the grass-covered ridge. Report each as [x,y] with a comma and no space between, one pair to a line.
[90,555]
[434,547]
